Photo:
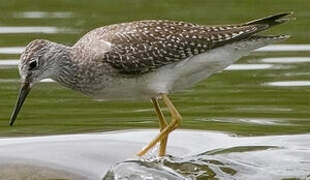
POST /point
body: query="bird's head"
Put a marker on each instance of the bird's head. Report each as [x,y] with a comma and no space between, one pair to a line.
[36,63]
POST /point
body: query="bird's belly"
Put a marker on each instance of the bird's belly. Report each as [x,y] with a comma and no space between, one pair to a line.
[186,73]
[124,89]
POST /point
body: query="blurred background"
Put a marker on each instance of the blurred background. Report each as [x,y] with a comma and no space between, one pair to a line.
[265,93]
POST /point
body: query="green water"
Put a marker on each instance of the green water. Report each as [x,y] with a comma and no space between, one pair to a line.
[239,101]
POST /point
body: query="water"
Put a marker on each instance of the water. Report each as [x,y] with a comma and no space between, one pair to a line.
[266,93]
[197,155]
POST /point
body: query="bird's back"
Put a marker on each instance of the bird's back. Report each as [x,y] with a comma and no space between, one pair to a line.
[142,46]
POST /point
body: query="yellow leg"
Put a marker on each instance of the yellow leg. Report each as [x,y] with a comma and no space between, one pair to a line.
[176,119]
[162,123]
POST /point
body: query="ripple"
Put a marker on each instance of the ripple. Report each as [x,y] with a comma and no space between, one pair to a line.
[144,110]
[285,47]
[297,74]
[17,80]
[33,29]
[263,121]
[286,60]
[41,14]
[9,80]
[263,109]
[9,62]
[11,50]
[259,121]
[248,67]
[288,83]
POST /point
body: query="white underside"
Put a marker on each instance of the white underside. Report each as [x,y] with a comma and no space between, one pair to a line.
[181,75]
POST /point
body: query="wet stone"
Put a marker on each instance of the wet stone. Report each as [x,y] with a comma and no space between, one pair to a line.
[141,170]
[170,168]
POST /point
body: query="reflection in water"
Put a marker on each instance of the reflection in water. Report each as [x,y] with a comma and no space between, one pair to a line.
[41,14]
[11,62]
[11,50]
[289,83]
[286,60]
[18,80]
[33,29]
[9,80]
[258,121]
[286,47]
[249,66]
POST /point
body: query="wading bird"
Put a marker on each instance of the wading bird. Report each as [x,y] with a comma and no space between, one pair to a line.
[142,60]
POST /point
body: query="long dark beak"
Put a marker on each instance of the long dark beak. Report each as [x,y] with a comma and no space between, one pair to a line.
[23,92]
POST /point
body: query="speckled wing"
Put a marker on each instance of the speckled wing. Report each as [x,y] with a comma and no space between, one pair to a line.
[143,46]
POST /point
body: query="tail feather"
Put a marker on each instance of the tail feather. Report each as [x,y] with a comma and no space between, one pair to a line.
[253,41]
[247,32]
[270,21]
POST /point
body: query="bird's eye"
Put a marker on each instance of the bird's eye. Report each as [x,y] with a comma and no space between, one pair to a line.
[33,64]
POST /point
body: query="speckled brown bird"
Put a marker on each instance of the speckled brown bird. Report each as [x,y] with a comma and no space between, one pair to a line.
[142,60]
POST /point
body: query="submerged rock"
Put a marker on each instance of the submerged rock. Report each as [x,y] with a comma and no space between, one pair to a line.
[171,168]
[239,162]
[141,170]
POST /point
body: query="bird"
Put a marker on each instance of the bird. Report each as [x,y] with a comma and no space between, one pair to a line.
[143,60]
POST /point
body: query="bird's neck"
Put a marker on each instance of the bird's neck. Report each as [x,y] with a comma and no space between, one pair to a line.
[67,67]
[60,57]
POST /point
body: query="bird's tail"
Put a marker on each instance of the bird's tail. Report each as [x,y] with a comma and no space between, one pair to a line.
[254,41]
[270,21]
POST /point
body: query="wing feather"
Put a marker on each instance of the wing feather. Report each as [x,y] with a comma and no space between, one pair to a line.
[143,46]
